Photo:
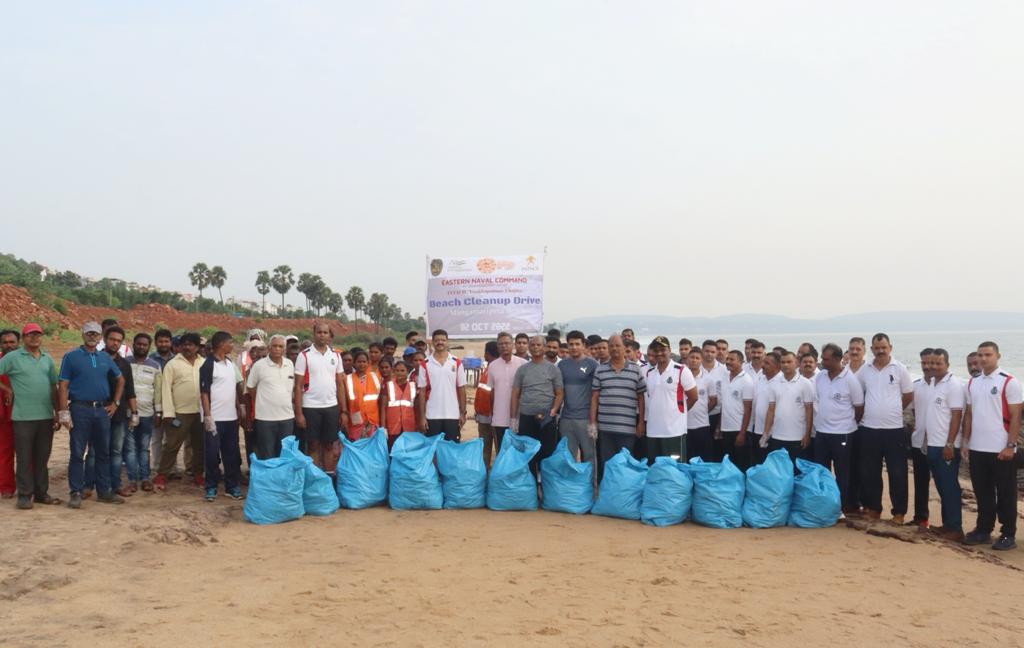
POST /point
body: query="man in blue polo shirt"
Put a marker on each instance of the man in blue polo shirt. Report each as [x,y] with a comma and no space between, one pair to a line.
[86,405]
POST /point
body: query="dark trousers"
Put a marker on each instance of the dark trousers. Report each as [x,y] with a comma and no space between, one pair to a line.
[714,420]
[739,455]
[250,443]
[855,499]
[269,435]
[757,453]
[33,441]
[995,489]
[947,483]
[609,445]
[448,427]
[792,447]
[90,427]
[222,447]
[545,431]
[833,452]
[922,475]
[700,443]
[890,445]
[667,447]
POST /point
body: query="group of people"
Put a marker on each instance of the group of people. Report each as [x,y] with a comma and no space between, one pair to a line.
[139,406]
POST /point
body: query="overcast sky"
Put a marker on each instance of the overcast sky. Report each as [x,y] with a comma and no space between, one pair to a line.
[681,158]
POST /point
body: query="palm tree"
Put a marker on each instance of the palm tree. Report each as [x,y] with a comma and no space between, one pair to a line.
[263,283]
[217,278]
[305,286]
[335,302]
[200,276]
[282,281]
[356,301]
[377,308]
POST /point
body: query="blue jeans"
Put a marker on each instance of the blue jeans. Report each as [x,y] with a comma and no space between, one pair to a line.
[90,428]
[136,449]
[117,435]
[223,448]
[948,486]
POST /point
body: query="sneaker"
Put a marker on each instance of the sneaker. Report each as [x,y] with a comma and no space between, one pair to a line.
[75,501]
[235,493]
[24,502]
[977,538]
[160,483]
[918,522]
[110,498]
[1004,543]
[897,519]
[953,535]
[147,485]
[198,480]
[211,494]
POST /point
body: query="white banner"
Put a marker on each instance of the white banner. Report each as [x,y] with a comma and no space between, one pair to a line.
[478,297]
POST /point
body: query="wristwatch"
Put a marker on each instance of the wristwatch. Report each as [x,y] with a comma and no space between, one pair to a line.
[117,403]
[949,445]
[1012,445]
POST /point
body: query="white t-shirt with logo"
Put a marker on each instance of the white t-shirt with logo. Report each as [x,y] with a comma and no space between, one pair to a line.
[791,398]
[836,402]
[883,394]
[664,418]
[985,396]
[947,395]
[735,392]
[762,386]
[697,417]
[324,368]
[273,384]
[445,379]
[720,376]
[223,390]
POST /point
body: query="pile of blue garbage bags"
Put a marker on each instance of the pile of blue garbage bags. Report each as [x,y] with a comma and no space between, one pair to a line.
[428,473]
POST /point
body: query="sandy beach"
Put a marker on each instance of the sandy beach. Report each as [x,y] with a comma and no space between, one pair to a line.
[171,570]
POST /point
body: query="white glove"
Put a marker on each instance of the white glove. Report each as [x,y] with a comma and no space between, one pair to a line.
[592,430]
[64,418]
[764,441]
[514,425]
[134,422]
[357,418]
[210,425]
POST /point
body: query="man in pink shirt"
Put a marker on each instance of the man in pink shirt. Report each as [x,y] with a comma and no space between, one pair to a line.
[500,375]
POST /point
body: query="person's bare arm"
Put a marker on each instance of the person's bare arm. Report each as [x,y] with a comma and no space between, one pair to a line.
[808,424]
[748,408]
[712,402]
[1011,436]
[557,405]
[641,411]
[300,419]
[769,422]
[514,406]
[339,379]
[858,413]
[691,398]
[462,405]
[908,399]
[966,433]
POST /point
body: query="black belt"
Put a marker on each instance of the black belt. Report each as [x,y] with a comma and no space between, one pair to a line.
[92,404]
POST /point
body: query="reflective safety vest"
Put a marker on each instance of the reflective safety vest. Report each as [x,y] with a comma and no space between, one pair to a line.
[482,401]
[400,415]
[362,396]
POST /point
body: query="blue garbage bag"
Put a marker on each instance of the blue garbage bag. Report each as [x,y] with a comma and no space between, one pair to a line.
[414,482]
[362,472]
[318,494]
[511,486]
[668,493]
[622,487]
[463,473]
[769,492]
[275,490]
[815,497]
[567,484]
[717,493]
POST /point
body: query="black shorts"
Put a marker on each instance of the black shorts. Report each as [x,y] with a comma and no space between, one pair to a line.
[321,424]
[448,427]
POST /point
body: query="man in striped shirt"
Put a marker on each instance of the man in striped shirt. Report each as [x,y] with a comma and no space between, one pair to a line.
[617,402]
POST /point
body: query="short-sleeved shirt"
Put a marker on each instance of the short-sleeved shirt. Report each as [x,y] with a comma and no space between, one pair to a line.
[32,380]
[500,375]
[985,396]
[87,374]
[762,387]
[791,398]
[665,404]
[707,387]
[324,369]
[719,376]
[273,384]
[578,382]
[947,395]
[618,394]
[219,381]
[836,400]
[147,376]
[736,391]
[883,394]
[922,399]
[537,382]
[444,380]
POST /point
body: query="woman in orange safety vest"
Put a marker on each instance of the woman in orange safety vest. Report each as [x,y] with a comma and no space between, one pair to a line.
[362,387]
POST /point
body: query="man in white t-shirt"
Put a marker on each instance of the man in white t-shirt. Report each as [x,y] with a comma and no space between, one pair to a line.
[441,400]
[737,398]
[888,389]
[220,393]
[942,441]
[790,416]
[271,383]
[671,392]
[840,399]
[765,378]
[918,448]
[700,441]
[854,361]
[719,374]
[320,403]
[991,428]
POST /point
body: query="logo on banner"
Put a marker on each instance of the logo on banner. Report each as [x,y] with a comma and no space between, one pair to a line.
[531,263]
[436,266]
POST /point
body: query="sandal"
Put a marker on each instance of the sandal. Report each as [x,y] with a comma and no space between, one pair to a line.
[51,501]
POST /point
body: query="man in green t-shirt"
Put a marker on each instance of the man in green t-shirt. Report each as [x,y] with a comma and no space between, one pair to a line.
[33,393]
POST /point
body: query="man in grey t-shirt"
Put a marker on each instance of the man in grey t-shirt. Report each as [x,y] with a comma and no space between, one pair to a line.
[578,380]
[536,399]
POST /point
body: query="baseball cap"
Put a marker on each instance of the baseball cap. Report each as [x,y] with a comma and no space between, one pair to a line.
[661,340]
[409,350]
[31,327]
[92,327]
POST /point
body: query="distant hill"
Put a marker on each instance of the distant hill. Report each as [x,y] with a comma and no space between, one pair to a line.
[889,321]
